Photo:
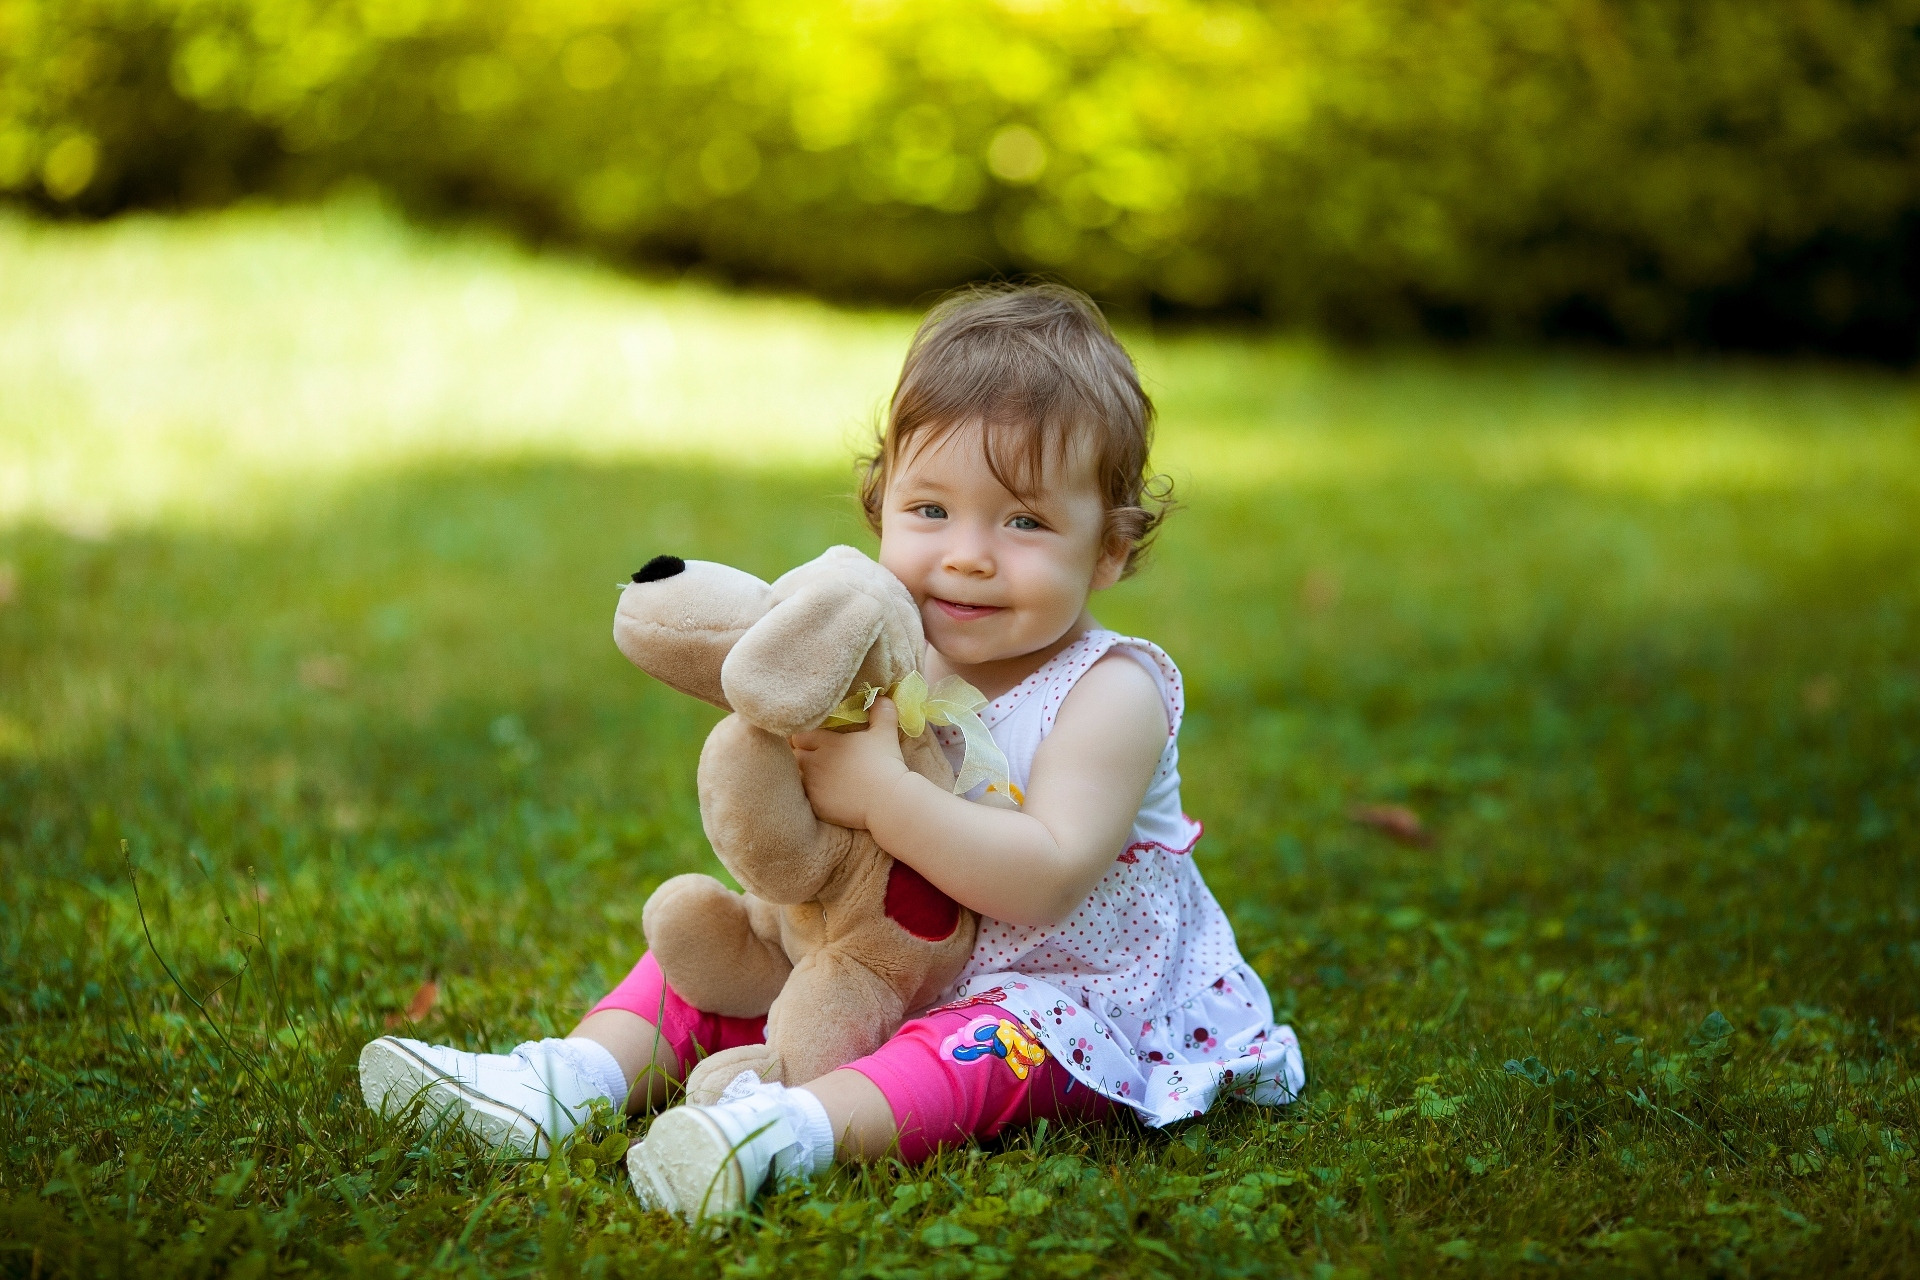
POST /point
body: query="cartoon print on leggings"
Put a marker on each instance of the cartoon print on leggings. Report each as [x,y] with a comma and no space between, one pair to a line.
[991,1036]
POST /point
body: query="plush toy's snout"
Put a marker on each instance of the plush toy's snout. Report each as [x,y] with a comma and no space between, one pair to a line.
[678,620]
[781,654]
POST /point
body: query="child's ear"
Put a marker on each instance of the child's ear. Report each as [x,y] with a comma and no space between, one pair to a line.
[1112,564]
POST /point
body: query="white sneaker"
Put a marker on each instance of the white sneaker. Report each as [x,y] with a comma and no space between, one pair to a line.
[710,1161]
[522,1101]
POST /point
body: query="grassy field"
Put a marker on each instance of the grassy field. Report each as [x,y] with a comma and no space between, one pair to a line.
[309,528]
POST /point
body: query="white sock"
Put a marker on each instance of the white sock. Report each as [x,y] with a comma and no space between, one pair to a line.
[596,1065]
[808,1116]
[804,1113]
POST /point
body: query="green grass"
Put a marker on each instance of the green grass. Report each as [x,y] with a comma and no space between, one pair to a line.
[309,527]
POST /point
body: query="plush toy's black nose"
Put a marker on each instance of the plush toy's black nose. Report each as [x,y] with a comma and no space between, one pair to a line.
[660,567]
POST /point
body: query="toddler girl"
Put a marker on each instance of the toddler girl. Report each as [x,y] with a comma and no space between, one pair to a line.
[1010,484]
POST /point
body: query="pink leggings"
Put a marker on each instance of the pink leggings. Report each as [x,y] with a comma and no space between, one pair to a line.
[964,1070]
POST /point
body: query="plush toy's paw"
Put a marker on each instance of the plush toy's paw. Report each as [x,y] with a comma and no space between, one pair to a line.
[702,936]
[707,1082]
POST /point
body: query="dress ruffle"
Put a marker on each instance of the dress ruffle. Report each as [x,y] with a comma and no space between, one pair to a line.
[1221,1042]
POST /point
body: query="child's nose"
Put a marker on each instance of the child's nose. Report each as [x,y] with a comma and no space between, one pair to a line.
[973,562]
[660,567]
[970,553]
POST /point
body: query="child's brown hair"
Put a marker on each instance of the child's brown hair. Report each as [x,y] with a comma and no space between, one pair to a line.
[1038,368]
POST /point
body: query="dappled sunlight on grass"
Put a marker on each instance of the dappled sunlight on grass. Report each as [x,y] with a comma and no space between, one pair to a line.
[1253,415]
[210,371]
[400,598]
[189,370]
[1674,459]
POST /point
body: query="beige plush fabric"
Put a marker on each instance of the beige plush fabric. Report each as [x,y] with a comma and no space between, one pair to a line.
[811,943]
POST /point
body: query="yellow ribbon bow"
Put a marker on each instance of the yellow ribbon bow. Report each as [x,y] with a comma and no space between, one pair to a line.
[953,702]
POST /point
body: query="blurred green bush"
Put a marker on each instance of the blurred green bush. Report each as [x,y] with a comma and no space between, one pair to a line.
[1733,172]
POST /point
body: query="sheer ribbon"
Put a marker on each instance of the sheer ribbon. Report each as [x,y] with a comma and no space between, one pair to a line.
[953,702]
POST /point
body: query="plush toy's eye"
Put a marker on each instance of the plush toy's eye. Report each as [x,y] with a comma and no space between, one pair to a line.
[660,567]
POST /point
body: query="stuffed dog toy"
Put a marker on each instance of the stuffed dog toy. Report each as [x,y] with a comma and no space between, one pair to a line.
[833,941]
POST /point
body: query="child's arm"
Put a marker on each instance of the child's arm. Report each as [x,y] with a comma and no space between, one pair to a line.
[1033,866]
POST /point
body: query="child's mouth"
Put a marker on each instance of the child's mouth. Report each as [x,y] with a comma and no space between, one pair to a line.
[965,612]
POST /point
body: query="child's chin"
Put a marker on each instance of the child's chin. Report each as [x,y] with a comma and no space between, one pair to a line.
[956,645]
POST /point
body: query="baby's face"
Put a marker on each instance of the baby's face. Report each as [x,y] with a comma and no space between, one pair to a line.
[995,575]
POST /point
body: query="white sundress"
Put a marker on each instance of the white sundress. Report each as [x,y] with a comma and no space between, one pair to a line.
[1141,993]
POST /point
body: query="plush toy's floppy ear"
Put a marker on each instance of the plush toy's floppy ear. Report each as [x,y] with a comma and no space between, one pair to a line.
[678,619]
[795,664]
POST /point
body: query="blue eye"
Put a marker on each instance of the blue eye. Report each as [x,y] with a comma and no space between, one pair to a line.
[931,511]
[1024,523]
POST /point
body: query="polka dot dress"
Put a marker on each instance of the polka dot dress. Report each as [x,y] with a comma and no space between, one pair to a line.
[1141,993]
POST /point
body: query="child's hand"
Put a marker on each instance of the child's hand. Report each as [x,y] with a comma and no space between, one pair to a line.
[845,773]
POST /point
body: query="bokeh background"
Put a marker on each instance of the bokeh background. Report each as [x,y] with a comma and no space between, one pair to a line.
[1653,172]
[1537,380]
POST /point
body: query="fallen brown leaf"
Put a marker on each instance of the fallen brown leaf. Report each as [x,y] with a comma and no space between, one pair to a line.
[1396,822]
[420,1006]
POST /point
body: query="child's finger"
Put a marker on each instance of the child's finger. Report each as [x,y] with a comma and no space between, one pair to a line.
[808,740]
[883,715]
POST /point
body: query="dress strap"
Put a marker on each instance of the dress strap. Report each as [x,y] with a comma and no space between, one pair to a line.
[1096,645]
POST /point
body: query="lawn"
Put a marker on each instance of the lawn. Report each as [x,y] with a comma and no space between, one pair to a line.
[309,529]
